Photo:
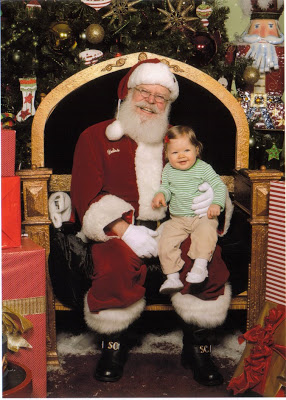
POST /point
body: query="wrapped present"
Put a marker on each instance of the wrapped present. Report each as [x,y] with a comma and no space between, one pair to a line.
[276,260]
[11,212]
[263,361]
[8,142]
[23,291]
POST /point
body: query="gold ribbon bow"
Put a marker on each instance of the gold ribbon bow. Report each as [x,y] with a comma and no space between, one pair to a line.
[14,325]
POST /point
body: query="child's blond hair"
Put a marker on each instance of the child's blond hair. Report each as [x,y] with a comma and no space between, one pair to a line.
[180,130]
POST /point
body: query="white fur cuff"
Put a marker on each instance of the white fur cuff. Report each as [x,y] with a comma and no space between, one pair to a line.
[114,319]
[100,214]
[203,313]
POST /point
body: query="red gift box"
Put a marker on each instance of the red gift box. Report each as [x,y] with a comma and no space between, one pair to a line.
[23,291]
[276,257]
[11,212]
[8,142]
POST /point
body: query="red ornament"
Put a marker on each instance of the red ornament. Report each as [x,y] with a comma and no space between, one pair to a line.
[205,48]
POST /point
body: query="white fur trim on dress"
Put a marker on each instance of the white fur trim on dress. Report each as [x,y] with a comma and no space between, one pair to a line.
[228,213]
[203,313]
[148,167]
[114,319]
[100,214]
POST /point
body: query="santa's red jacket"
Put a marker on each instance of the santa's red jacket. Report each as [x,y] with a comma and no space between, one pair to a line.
[118,179]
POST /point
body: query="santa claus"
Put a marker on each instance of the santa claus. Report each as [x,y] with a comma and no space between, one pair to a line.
[116,171]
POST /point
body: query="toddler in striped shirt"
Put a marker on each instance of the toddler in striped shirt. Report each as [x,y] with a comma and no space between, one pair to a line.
[181,178]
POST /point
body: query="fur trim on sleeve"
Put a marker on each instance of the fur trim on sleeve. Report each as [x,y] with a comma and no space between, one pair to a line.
[100,214]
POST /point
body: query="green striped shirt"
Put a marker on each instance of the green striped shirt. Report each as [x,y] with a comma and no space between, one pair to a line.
[180,187]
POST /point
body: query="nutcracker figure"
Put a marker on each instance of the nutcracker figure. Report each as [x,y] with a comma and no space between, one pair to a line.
[263,83]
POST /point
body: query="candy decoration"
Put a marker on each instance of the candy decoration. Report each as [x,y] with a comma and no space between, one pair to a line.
[94,33]
[96,4]
[90,56]
[204,11]
[28,87]
[273,152]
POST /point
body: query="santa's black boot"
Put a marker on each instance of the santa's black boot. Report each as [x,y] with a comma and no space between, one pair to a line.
[196,355]
[113,357]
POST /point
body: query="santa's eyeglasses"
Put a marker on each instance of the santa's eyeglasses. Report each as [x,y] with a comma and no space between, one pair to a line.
[159,98]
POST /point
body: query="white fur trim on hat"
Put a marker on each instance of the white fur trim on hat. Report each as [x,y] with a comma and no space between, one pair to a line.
[154,74]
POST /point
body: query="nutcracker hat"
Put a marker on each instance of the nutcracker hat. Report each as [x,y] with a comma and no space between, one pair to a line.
[262,9]
[147,72]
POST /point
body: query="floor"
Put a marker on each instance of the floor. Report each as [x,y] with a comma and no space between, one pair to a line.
[153,368]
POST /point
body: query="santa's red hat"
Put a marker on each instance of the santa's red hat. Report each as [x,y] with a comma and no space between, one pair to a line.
[147,72]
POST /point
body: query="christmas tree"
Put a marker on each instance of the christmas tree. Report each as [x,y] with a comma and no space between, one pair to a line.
[45,42]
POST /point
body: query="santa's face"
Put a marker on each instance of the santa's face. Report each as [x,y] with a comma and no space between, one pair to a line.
[263,28]
[150,100]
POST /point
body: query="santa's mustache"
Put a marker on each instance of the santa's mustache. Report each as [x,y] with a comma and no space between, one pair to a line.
[144,104]
[269,39]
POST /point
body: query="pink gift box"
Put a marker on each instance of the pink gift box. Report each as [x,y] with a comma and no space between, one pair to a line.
[23,291]
[8,143]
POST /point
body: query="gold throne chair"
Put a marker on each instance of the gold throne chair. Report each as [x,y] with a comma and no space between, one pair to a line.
[90,96]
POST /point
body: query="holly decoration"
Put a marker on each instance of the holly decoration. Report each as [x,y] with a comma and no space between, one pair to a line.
[273,152]
[178,19]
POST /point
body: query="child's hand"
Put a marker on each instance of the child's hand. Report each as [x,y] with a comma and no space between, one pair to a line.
[158,201]
[213,211]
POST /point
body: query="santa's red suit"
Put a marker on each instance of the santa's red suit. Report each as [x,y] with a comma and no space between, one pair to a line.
[118,179]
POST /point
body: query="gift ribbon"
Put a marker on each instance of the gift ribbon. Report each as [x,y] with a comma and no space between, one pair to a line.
[257,364]
[8,119]
[14,325]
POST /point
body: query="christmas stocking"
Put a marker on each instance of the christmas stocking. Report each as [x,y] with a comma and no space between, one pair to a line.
[28,88]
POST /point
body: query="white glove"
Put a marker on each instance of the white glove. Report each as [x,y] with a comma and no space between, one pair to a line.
[141,240]
[59,208]
[201,203]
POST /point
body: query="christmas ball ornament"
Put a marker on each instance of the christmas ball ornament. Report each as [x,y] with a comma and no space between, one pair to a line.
[96,4]
[94,33]
[251,75]
[17,56]
[61,37]
[205,48]
[204,11]
[90,57]
[252,142]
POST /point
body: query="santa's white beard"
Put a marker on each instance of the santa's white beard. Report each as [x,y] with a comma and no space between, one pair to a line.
[142,129]
[262,50]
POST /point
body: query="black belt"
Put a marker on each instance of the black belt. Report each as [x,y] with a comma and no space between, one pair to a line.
[149,224]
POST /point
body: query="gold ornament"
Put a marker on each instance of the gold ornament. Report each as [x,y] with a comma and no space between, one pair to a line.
[251,75]
[119,9]
[94,33]
[177,18]
[61,37]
